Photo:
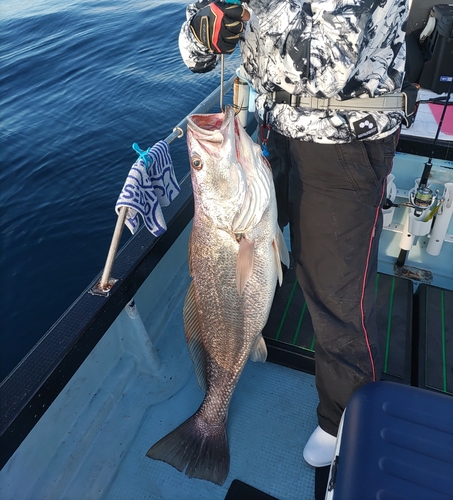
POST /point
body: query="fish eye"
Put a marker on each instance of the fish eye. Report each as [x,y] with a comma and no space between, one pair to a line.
[197,162]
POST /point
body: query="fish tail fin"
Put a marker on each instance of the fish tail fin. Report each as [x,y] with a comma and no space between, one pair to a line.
[197,446]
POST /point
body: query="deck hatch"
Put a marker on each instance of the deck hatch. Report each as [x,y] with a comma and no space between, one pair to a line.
[289,331]
[435,332]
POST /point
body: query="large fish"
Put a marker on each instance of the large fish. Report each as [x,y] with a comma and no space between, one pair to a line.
[235,254]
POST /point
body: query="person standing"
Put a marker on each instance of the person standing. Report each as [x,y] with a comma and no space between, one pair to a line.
[328,76]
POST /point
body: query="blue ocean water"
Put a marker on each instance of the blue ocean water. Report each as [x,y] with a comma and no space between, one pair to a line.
[80,82]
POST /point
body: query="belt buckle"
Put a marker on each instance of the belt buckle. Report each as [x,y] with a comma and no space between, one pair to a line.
[280,97]
[293,100]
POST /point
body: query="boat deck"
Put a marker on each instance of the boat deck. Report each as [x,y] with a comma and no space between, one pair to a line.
[416,339]
[290,336]
[92,443]
[138,384]
[270,459]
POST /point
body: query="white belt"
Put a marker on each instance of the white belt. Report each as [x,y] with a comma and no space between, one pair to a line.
[385,102]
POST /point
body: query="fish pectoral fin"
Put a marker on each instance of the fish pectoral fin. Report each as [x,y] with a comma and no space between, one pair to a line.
[282,248]
[194,338]
[278,263]
[259,352]
[244,264]
[281,254]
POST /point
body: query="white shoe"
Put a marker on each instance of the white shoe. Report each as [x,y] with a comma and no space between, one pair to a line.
[320,448]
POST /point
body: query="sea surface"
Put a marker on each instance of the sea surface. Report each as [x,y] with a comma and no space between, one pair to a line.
[80,82]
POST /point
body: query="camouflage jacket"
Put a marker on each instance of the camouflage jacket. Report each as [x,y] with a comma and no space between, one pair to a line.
[337,49]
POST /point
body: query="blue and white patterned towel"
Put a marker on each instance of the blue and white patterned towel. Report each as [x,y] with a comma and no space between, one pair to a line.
[162,174]
[150,185]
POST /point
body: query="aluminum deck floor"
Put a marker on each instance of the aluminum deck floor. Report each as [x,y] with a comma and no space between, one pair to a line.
[271,416]
[101,454]
[91,444]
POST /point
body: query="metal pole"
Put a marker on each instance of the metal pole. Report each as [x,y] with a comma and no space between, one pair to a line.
[222,76]
[104,283]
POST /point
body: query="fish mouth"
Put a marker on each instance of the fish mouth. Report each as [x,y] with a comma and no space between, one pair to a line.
[206,125]
[209,132]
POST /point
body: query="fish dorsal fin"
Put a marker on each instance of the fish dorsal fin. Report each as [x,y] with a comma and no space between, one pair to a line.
[281,254]
[259,351]
[244,264]
[193,337]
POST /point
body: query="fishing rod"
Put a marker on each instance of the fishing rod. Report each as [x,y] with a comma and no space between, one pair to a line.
[428,164]
[422,197]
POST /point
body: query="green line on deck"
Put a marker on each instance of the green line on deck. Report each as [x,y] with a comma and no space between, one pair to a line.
[389,326]
[444,347]
[299,323]
[286,310]
[427,367]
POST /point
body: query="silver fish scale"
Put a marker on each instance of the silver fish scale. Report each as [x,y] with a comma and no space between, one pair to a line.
[230,323]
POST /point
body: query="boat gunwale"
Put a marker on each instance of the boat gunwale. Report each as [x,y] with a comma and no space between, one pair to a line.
[421,146]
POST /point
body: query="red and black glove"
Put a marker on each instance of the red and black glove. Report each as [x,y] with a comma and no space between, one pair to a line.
[218,26]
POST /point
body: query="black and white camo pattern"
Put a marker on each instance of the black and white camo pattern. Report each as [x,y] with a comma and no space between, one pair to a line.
[324,48]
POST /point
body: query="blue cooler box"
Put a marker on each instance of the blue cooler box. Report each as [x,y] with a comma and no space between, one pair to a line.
[395,442]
